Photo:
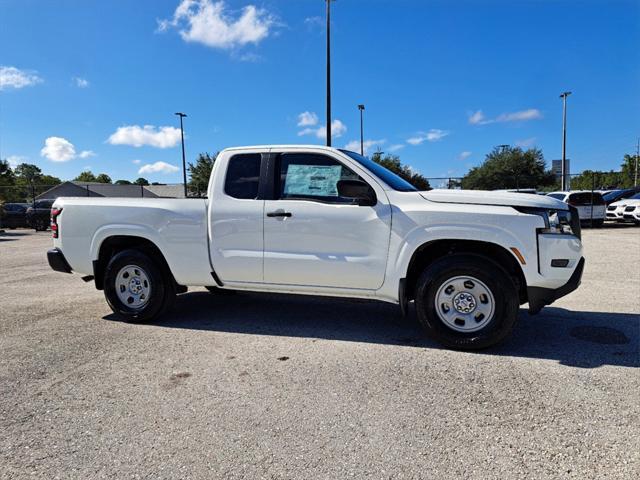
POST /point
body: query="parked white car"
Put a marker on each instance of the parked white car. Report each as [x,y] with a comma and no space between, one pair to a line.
[627,210]
[590,205]
[322,221]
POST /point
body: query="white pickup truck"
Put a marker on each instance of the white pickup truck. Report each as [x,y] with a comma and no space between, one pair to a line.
[322,221]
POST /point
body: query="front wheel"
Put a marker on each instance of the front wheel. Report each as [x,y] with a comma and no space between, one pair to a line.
[466,302]
[136,288]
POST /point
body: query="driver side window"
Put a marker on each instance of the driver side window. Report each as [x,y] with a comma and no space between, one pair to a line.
[311,177]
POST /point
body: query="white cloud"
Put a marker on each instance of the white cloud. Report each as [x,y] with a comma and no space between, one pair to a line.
[137,136]
[15,160]
[212,24]
[478,118]
[80,82]
[58,149]
[87,154]
[526,142]
[136,162]
[158,167]
[337,130]
[316,22]
[432,135]
[354,145]
[306,119]
[12,77]
[396,147]
[464,155]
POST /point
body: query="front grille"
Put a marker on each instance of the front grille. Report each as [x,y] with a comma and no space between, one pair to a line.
[611,208]
[630,208]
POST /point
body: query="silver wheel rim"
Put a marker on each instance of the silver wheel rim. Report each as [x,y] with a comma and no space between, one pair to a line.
[133,287]
[464,304]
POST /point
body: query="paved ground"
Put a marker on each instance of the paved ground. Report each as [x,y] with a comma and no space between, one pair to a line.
[263,386]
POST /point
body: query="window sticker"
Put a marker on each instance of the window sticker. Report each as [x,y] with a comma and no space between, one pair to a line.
[315,180]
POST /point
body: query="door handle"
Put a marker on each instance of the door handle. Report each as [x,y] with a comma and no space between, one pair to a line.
[279,213]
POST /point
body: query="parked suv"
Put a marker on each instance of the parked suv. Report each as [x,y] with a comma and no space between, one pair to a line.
[39,214]
[590,205]
[15,215]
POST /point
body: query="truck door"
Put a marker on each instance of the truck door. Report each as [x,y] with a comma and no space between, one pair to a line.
[314,237]
[236,219]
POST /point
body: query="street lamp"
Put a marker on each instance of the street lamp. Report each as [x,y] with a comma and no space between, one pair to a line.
[184,162]
[361,108]
[328,2]
[563,183]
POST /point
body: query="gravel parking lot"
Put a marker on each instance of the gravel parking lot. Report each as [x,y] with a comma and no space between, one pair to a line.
[275,386]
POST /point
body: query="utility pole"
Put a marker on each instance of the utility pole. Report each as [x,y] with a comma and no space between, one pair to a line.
[184,162]
[563,183]
[361,108]
[328,72]
[635,177]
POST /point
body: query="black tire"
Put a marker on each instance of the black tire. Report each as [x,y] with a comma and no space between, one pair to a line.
[40,225]
[495,278]
[162,287]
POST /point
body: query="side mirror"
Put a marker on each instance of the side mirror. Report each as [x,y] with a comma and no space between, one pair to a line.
[360,191]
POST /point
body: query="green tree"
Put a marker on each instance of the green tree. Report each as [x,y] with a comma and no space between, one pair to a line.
[86,176]
[49,180]
[141,181]
[625,178]
[200,172]
[123,182]
[510,167]
[103,178]
[392,162]
[7,177]
[28,174]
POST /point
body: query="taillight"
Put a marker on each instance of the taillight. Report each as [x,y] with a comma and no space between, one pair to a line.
[55,230]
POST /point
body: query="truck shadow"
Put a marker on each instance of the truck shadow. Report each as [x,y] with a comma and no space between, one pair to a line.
[577,339]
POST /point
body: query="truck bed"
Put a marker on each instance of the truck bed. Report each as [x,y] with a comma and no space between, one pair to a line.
[178,227]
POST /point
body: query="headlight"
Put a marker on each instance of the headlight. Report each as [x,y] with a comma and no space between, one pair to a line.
[559,222]
[555,221]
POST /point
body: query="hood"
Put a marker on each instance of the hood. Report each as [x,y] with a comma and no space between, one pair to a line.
[625,202]
[487,197]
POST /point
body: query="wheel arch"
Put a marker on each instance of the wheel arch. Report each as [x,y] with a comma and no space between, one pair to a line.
[431,251]
[117,243]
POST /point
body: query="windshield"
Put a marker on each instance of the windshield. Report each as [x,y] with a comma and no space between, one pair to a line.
[387,176]
[559,196]
[612,195]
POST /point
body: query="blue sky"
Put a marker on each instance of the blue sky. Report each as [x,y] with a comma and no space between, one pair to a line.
[443,81]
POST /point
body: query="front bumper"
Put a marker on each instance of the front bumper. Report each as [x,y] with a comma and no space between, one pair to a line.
[57,261]
[540,296]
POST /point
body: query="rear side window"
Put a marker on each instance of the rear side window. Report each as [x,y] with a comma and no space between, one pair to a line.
[243,176]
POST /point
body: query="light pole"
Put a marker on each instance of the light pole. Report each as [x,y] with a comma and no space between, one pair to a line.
[184,162]
[563,170]
[361,108]
[328,72]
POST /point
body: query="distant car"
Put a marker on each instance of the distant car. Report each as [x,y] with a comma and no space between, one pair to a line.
[15,215]
[39,214]
[626,210]
[590,205]
[620,194]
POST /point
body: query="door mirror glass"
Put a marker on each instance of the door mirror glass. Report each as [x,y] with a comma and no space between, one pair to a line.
[359,191]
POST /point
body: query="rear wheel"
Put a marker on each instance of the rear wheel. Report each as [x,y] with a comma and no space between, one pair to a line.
[466,302]
[136,288]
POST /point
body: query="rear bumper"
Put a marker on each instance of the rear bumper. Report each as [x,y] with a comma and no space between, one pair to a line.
[540,296]
[57,261]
